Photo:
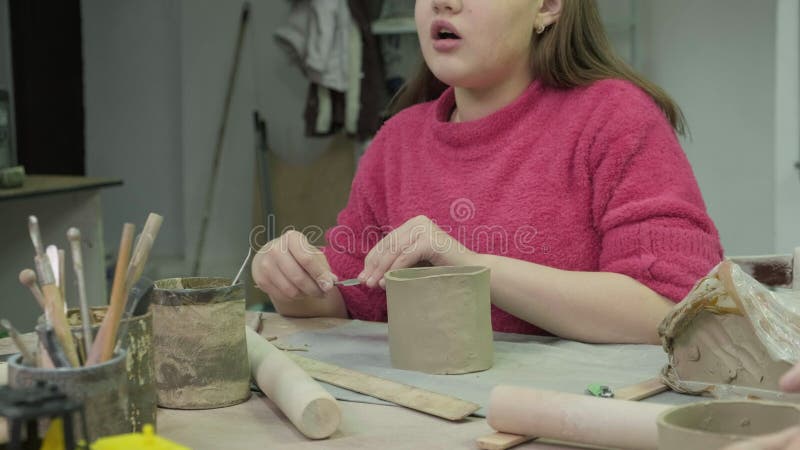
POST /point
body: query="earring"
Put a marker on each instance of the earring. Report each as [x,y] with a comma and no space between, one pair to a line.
[540,29]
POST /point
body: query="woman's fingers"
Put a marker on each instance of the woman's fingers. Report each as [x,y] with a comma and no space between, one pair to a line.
[292,268]
[298,277]
[408,258]
[312,261]
[405,242]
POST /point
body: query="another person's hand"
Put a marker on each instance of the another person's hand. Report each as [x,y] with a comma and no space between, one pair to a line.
[290,268]
[788,439]
[790,381]
[417,240]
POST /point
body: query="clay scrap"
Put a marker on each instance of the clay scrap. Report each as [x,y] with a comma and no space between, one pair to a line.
[731,337]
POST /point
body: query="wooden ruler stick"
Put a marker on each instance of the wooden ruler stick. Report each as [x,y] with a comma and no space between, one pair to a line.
[429,402]
[639,391]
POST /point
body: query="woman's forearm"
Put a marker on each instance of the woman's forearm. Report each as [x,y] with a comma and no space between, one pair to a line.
[599,307]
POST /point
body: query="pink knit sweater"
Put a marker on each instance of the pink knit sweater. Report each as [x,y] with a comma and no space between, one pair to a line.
[585,179]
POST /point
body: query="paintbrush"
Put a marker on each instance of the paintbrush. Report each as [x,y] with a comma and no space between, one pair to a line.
[55,307]
[142,250]
[27,355]
[116,305]
[74,237]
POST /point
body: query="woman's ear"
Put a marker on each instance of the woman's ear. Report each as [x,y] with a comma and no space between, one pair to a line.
[549,12]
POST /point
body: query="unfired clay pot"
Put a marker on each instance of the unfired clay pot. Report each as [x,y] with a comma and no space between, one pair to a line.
[713,425]
[440,319]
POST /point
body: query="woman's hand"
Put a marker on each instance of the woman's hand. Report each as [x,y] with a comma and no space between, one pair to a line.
[417,240]
[290,268]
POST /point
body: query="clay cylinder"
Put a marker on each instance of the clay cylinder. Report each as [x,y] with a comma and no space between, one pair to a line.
[199,343]
[102,388]
[714,425]
[140,371]
[574,418]
[440,319]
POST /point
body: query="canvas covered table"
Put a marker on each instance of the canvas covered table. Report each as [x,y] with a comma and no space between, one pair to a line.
[258,423]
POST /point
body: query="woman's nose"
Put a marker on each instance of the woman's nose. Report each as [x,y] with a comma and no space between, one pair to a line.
[451,6]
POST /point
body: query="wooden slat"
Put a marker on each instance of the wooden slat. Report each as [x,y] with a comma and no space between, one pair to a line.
[639,391]
[502,441]
[422,400]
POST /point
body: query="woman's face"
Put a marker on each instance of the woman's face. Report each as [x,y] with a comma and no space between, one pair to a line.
[476,43]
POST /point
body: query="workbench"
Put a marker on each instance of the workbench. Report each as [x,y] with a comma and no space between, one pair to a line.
[258,423]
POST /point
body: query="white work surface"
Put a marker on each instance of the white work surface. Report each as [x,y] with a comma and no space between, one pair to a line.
[258,423]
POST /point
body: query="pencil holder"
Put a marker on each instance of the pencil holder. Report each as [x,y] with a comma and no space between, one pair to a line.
[138,344]
[199,341]
[440,319]
[102,388]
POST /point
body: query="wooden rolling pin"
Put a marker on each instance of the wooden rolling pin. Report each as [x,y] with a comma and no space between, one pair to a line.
[307,404]
[574,418]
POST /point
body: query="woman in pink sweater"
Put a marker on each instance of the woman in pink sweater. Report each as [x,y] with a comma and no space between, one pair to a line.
[526,146]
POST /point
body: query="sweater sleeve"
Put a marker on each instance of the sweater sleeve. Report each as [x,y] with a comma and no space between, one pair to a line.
[357,231]
[647,206]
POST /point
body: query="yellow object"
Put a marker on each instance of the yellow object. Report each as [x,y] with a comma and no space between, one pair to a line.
[146,440]
[54,438]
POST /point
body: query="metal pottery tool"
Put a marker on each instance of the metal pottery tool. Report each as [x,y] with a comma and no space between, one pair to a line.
[241,269]
[48,338]
[350,282]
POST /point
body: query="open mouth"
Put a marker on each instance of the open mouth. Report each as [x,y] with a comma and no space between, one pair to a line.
[442,30]
[446,34]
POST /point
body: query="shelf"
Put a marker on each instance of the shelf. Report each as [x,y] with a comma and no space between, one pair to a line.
[406,25]
[397,25]
[36,185]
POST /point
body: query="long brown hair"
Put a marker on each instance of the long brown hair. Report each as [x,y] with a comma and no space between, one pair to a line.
[575,51]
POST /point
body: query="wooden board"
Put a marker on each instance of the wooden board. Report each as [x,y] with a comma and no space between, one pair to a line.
[639,391]
[422,400]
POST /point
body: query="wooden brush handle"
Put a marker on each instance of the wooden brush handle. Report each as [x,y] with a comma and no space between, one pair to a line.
[56,307]
[103,346]
[142,250]
[27,277]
